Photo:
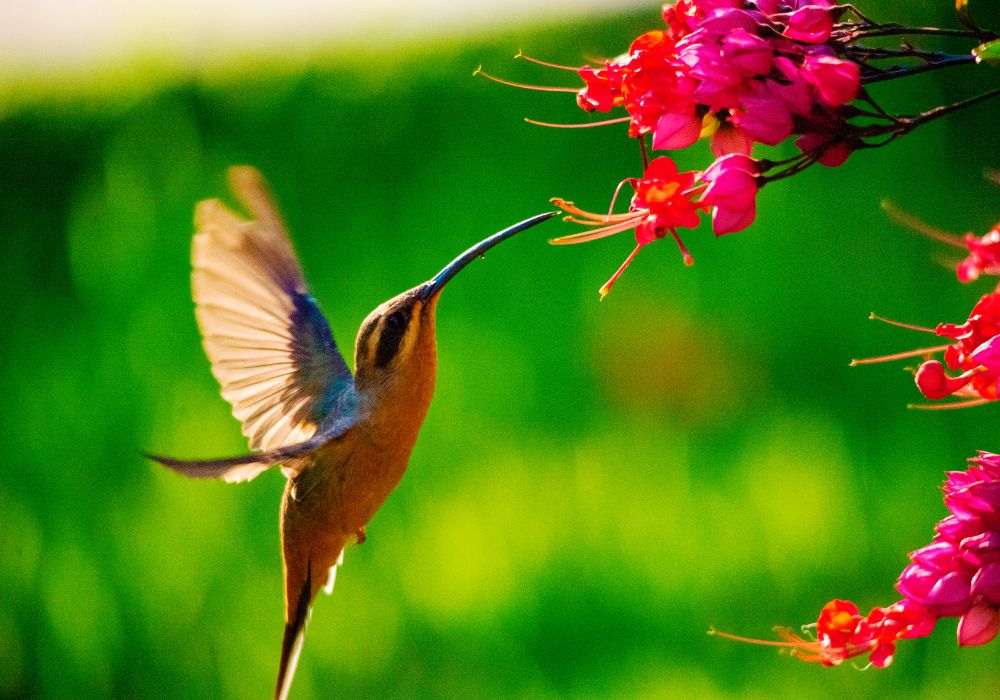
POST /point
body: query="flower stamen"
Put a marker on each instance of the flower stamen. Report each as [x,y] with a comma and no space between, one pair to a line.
[920,226]
[540,88]
[909,326]
[920,352]
[596,234]
[685,255]
[948,406]
[603,291]
[540,62]
[587,125]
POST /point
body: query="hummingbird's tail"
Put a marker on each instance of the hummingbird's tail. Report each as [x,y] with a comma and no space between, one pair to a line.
[295,634]
[300,605]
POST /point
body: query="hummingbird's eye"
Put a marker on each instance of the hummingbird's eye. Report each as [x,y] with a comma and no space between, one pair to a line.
[396,321]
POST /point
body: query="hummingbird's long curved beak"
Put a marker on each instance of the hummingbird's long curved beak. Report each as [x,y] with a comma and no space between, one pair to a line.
[437,283]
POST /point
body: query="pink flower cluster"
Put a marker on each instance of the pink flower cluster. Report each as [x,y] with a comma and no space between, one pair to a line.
[754,72]
[665,199]
[956,575]
[747,72]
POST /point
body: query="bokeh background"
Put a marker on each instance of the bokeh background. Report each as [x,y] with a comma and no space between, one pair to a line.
[596,484]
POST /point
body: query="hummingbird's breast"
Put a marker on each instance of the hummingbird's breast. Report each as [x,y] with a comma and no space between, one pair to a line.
[328,503]
[364,466]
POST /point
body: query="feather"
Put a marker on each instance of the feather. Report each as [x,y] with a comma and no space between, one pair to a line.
[295,634]
[267,340]
[295,628]
[246,467]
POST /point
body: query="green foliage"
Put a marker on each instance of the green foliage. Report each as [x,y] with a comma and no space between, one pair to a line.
[596,484]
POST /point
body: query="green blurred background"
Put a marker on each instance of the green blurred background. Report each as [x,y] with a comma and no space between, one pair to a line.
[596,484]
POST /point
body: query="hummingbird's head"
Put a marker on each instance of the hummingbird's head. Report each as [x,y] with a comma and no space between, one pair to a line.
[397,343]
[395,336]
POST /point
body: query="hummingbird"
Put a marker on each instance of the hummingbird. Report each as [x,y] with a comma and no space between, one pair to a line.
[342,441]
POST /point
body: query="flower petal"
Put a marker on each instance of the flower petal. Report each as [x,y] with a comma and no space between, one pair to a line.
[979,625]
[676,130]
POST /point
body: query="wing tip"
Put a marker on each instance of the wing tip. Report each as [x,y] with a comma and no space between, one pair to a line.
[205,206]
[241,177]
[232,470]
[251,189]
[245,181]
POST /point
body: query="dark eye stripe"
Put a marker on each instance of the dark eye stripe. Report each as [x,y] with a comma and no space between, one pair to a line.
[391,337]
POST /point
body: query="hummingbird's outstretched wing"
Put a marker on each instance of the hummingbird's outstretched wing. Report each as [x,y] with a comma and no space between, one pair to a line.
[268,342]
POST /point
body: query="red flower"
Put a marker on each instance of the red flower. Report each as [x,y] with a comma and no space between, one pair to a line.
[842,633]
[984,251]
[602,89]
[663,201]
[655,82]
[984,255]
[665,192]
[973,353]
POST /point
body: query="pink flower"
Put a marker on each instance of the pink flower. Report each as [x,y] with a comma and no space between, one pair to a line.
[771,70]
[777,7]
[979,625]
[730,139]
[732,192]
[811,24]
[791,87]
[747,53]
[725,57]
[836,81]
[774,8]
[676,130]
[958,574]
[763,116]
